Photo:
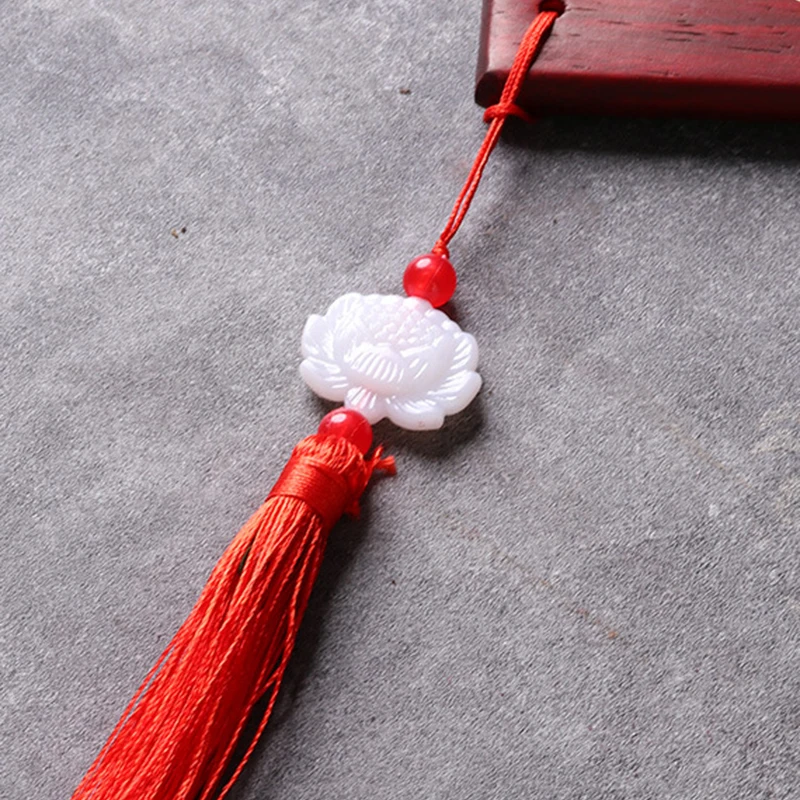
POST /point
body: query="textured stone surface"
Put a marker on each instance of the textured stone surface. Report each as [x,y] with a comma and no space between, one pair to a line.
[585,586]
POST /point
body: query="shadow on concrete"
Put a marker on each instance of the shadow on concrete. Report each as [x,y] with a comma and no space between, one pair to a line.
[727,140]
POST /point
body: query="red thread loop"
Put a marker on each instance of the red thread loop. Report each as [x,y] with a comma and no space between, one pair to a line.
[316,485]
[503,110]
[321,485]
[378,462]
[498,113]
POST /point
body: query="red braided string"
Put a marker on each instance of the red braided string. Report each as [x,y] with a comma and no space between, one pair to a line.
[497,115]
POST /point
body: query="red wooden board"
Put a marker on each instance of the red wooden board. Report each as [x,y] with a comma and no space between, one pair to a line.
[728,58]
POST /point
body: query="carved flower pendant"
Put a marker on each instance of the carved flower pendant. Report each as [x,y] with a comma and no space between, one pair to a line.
[391,356]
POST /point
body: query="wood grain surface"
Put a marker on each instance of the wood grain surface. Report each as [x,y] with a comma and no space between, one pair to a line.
[729,58]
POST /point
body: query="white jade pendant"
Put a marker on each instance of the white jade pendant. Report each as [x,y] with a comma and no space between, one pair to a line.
[391,356]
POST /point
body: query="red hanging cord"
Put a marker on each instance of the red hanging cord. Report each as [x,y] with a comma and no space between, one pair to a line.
[496,115]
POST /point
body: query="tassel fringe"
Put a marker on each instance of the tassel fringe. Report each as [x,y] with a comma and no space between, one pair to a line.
[177,737]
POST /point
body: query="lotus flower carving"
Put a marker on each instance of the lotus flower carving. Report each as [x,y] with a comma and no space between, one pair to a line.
[391,356]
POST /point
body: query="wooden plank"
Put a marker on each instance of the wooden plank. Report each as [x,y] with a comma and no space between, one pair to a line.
[722,58]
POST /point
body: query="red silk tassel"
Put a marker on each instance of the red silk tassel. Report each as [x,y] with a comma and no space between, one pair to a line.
[177,737]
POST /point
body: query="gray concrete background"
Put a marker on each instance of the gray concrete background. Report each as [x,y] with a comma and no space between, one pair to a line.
[586,586]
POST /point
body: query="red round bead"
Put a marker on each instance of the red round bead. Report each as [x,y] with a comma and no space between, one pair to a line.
[432,277]
[350,425]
